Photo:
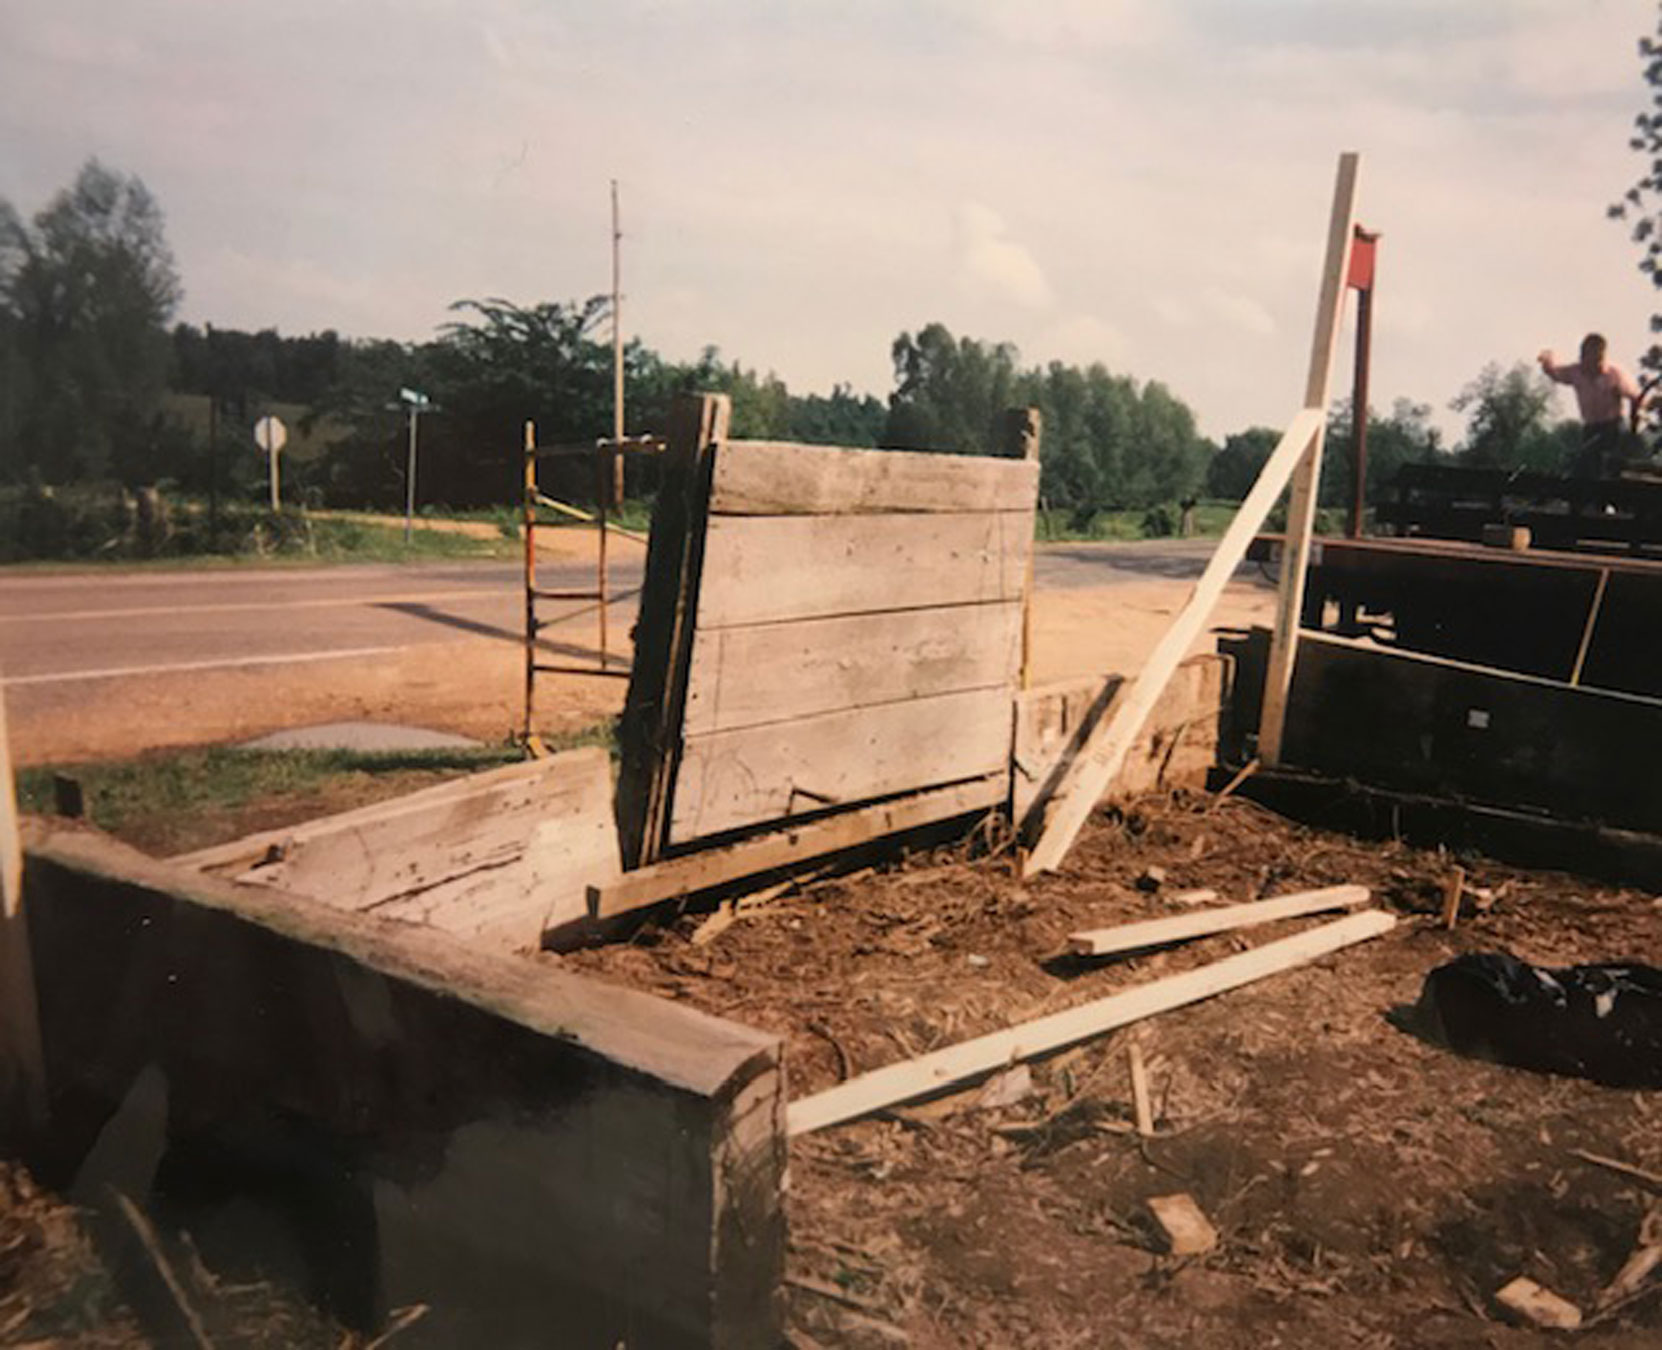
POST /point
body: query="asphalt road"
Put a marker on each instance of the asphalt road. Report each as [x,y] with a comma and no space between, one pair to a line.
[62,628]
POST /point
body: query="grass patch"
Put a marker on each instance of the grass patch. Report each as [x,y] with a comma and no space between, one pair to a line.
[177,801]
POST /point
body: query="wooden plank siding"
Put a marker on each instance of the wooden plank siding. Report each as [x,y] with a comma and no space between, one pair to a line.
[778,672]
[767,569]
[850,627]
[737,778]
[770,478]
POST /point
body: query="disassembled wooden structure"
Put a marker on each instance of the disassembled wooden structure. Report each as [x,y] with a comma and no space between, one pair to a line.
[831,650]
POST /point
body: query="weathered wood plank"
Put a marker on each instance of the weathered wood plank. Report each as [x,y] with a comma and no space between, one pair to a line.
[498,861]
[766,569]
[1100,759]
[739,778]
[932,1072]
[1130,937]
[766,478]
[743,677]
[649,732]
[1176,749]
[797,843]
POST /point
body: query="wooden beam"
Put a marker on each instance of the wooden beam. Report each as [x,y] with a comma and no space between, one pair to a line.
[1132,937]
[769,569]
[735,779]
[649,733]
[694,872]
[22,1063]
[1301,506]
[770,478]
[942,1069]
[1106,749]
[781,672]
[1020,440]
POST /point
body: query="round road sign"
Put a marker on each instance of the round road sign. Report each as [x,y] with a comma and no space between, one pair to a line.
[270,434]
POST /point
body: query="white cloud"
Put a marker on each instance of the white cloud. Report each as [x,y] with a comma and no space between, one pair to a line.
[995,262]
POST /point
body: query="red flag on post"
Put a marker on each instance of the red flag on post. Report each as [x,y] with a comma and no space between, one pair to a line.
[1364,244]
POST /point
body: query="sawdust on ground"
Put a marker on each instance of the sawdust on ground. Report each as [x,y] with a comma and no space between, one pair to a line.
[1370,1189]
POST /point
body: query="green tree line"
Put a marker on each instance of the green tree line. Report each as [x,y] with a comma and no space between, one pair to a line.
[98,383]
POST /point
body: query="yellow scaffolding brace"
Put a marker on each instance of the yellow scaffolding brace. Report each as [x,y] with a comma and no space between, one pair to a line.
[606,454]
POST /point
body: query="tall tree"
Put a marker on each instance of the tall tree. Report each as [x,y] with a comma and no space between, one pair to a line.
[86,290]
[1508,420]
[1641,205]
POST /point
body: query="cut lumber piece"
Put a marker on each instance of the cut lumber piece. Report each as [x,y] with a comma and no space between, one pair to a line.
[717,867]
[765,569]
[1187,1230]
[1100,759]
[1538,1304]
[941,1069]
[1178,747]
[22,1065]
[745,677]
[1132,937]
[738,778]
[1141,1105]
[1301,501]
[649,732]
[769,478]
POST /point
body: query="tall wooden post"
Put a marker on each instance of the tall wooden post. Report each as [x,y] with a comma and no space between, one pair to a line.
[22,1061]
[528,526]
[1301,506]
[616,476]
[1019,439]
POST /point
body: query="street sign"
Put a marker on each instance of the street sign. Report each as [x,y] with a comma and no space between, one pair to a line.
[270,434]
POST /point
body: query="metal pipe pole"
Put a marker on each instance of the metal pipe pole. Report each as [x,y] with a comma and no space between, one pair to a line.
[528,519]
[409,476]
[616,484]
[1359,409]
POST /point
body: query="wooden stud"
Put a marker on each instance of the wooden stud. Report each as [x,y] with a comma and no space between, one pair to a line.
[941,1069]
[1132,937]
[1454,886]
[1100,758]
[710,868]
[1141,1104]
[1021,441]
[1301,506]
[1592,622]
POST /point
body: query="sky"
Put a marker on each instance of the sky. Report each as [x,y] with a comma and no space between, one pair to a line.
[1144,183]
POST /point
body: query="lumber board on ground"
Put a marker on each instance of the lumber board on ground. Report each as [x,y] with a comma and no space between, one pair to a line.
[1130,937]
[768,478]
[22,1068]
[745,677]
[499,859]
[738,778]
[1301,504]
[1105,751]
[931,1073]
[715,867]
[767,569]
[649,732]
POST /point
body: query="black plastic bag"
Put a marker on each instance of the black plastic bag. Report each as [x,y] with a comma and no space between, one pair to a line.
[1602,1022]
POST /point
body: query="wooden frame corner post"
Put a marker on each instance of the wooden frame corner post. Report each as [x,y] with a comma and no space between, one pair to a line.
[22,1061]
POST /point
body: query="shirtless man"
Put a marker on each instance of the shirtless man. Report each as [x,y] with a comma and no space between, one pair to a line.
[1600,387]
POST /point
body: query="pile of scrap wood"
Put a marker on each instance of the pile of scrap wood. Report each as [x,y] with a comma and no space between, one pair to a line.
[943,1069]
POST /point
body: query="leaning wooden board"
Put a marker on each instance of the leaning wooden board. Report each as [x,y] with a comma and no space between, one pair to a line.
[851,630]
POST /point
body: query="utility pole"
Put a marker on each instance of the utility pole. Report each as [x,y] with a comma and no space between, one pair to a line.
[617,352]
[416,403]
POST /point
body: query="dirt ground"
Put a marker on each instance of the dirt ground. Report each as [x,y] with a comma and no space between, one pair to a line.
[1369,1189]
